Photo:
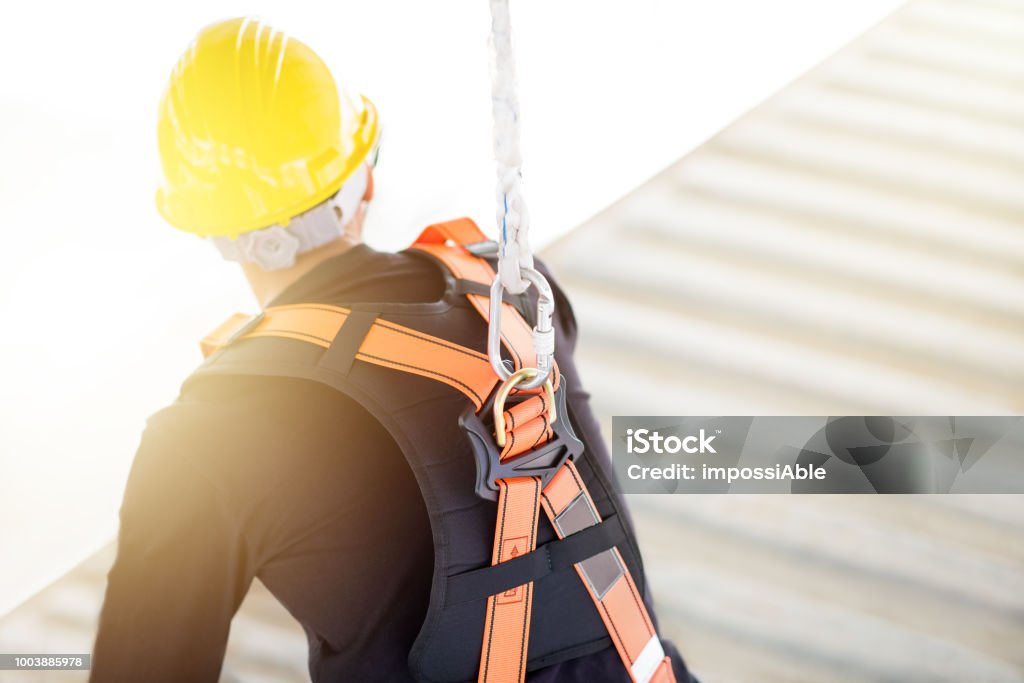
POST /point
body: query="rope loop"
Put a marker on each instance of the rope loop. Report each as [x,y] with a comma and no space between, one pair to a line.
[515,258]
[512,218]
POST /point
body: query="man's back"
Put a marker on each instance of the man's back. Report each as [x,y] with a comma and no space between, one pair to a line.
[285,480]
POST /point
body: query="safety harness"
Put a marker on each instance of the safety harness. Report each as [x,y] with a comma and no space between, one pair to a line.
[521,603]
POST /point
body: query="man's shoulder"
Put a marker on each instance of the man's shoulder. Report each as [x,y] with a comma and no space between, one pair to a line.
[223,423]
[365,275]
[250,403]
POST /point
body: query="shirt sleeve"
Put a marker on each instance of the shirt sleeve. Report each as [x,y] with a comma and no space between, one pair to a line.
[180,574]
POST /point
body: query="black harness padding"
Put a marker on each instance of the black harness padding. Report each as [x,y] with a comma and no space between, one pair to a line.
[551,557]
[422,415]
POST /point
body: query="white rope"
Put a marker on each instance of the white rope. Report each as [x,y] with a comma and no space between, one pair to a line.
[515,259]
[513,219]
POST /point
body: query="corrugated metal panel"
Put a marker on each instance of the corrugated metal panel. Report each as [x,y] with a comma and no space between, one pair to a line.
[853,246]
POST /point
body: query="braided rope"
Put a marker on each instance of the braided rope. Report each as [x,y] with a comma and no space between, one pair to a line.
[512,217]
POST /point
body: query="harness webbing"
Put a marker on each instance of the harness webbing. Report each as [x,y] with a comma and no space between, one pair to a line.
[507,620]
[565,499]
[570,508]
[516,333]
[387,344]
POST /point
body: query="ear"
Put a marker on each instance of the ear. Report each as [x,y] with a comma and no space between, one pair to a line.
[368,195]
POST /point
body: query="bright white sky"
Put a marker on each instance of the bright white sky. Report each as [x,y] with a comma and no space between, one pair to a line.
[101,303]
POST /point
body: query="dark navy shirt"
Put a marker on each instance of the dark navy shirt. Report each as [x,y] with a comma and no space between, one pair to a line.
[297,485]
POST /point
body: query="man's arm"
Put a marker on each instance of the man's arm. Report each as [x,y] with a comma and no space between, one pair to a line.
[181,571]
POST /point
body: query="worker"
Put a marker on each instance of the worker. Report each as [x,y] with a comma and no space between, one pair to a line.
[302,455]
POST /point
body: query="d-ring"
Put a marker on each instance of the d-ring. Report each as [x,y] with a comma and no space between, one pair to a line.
[502,395]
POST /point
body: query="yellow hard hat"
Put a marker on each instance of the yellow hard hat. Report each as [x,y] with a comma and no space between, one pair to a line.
[253,131]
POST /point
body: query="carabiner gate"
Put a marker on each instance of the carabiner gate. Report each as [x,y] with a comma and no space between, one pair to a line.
[543,331]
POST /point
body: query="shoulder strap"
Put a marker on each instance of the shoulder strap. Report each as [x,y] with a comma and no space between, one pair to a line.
[395,346]
[607,579]
[461,232]
[349,335]
[447,242]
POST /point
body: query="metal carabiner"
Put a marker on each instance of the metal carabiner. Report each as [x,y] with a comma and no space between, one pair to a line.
[543,331]
[502,395]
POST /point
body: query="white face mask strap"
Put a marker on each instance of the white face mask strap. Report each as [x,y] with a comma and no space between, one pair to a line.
[276,247]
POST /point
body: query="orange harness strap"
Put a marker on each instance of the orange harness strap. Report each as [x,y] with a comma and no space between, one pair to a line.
[565,498]
[506,635]
[385,344]
[507,621]
[526,426]
[606,577]
[571,509]
[515,331]
[461,231]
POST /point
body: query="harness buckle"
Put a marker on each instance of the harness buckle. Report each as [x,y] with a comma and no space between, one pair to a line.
[544,461]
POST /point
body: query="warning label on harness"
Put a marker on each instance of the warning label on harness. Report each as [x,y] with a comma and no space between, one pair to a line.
[818,454]
[510,548]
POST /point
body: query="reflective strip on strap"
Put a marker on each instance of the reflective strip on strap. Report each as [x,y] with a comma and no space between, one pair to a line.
[606,577]
[664,673]
[507,621]
[386,344]
[648,661]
